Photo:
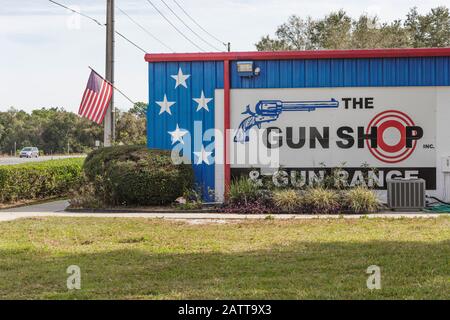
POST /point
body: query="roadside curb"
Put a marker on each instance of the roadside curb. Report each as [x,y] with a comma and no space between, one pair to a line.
[217,214]
[141,211]
[204,211]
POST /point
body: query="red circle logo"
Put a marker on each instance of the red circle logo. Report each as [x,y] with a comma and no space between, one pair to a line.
[387,152]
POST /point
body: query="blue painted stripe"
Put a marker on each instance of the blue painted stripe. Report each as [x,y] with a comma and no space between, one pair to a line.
[376,72]
[204,76]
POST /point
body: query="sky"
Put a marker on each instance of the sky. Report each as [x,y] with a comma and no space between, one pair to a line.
[45,50]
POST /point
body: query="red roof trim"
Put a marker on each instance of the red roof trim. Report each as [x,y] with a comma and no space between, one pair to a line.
[288,55]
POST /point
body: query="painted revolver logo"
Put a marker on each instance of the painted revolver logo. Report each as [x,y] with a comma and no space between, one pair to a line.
[269,111]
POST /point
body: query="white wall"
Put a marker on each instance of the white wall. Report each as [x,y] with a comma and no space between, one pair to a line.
[439,114]
[442,141]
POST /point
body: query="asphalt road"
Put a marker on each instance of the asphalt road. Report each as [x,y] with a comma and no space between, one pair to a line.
[11,160]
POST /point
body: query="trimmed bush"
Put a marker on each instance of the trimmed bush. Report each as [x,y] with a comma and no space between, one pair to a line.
[288,200]
[84,196]
[136,175]
[39,180]
[362,200]
[322,201]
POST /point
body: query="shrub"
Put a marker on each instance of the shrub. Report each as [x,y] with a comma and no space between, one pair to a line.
[287,200]
[97,161]
[191,200]
[136,175]
[362,200]
[244,196]
[39,180]
[243,191]
[322,201]
[84,195]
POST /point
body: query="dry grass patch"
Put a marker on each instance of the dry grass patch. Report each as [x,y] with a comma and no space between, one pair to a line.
[157,259]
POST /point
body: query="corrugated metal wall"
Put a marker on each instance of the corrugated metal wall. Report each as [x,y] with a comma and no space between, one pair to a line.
[203,76]
[208,76]
[427,71]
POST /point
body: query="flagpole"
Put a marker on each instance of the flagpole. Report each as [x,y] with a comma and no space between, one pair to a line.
[115,88]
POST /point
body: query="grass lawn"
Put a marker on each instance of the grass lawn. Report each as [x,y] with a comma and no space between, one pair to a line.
[155,259]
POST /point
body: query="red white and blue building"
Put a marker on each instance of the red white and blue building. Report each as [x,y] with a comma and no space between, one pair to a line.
[382,113]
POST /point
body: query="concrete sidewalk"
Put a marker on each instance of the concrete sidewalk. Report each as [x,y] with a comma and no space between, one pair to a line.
[56,209]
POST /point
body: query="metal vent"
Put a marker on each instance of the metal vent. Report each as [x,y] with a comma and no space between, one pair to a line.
[406,194]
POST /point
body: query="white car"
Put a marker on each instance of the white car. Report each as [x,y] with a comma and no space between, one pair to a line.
[29,152]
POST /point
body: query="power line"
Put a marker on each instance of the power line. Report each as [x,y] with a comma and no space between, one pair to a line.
[112,85]
[187,26]
[145,30]
[198,25]
[131,42]
[99,23]
[77,12]
[174,26]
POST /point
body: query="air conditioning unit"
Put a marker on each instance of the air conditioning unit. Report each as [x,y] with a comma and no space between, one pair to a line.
[406,194]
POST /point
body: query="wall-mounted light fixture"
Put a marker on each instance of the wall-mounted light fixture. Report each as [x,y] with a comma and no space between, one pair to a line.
[247,69]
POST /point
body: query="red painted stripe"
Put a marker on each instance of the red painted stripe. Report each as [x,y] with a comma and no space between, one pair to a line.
[98,104]
[82,104]
[226,125]
[101,102]
[288,55]
[92,107]
[88,102]
[96,107]
[106,105]
[88,94]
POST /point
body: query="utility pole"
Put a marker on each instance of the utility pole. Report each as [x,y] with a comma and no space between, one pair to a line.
[109,122]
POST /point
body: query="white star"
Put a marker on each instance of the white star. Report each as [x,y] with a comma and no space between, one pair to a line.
[180,79]
[202,156]
[177,135]
[202,102]
[165,105]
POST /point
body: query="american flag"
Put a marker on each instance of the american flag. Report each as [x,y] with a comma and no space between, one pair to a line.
[96,98]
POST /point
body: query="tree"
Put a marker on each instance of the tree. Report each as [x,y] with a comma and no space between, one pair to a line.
[430,30]
[296,34]
[268,44]
[16,129]
[365,32]
[393,35]
[333,32]
[131,129]
[53,129]
[337,30]
[48,129]
[139,109]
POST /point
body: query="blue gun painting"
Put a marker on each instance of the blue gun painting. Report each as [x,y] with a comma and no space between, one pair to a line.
[269,111]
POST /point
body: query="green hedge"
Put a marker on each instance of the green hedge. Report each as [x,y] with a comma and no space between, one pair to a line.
[39,180]
[136,175]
